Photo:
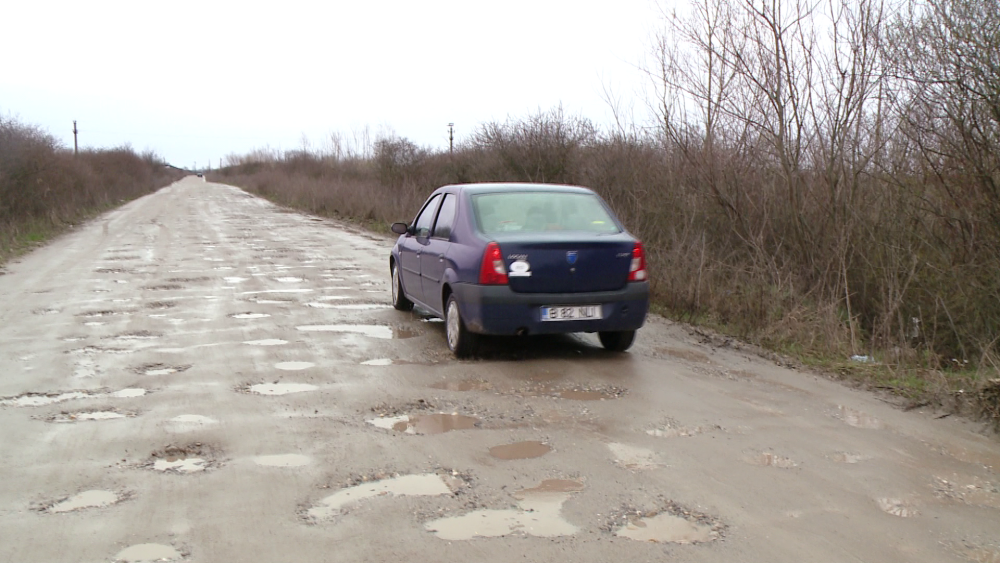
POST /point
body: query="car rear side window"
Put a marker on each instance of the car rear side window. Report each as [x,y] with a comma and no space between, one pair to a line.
[446,217]
[422,226]
[532,212]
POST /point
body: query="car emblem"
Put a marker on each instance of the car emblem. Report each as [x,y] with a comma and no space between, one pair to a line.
[571,257]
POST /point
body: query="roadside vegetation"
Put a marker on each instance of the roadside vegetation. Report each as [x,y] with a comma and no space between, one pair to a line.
[822,180]
[45,188]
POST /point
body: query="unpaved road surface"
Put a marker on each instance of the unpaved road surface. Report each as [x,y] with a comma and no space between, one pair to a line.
[201,376]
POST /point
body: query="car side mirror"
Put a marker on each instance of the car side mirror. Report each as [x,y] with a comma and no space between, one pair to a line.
[400,228]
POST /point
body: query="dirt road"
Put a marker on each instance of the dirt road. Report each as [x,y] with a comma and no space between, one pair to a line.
[201,376]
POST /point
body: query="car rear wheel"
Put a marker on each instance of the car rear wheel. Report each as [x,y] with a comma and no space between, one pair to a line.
[617,341]
[461,342]
[399,300]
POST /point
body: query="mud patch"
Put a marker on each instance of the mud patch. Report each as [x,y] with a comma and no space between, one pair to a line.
[249,315]
[373,331]
[520,450]
[634,457]
[145,552]
[266,342]
[770,459]
[897,507]
[539,514]
[429,484]
[84,500]
[293,366]
[282,460]
[585,393]
[280,388]
[192,458]
[856,418]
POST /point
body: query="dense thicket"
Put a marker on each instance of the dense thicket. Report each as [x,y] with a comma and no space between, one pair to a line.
[45,188]
[820,178]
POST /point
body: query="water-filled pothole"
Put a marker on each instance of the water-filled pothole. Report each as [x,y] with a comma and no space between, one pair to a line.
[83,416]
[539,514]
[378,362]
[86,499]
[249,315]
[42,399]
[673,523]
[575,393]
[438,423]
[192,458]
[281,388]
[160,305]
[160,369]
[520,450]
[857,418]
[293,366]
[429,484]
[134,335]
[373,331]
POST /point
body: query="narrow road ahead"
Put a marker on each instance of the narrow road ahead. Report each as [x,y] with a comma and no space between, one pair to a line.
[202,376]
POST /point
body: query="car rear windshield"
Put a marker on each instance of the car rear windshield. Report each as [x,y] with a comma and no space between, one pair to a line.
[532,212]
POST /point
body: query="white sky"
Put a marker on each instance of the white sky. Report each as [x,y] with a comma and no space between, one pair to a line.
[197,80]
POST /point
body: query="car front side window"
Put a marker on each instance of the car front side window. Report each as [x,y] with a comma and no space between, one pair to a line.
[446,217]
[422,225]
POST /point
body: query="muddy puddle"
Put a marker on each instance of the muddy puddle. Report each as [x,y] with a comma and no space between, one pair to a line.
[86,499]
[539,514]
[463,385]
[128,393]
[293,366]
[429,484]
[667,528]
[572,394]
[41,399]
[520,450]
[160,369]
[282,460]
[857,419]
[897,507]
[266,342]
[192,458]
[426,423]
[281,388]
[770,459]
[373,331]
[634,457]
[146,552]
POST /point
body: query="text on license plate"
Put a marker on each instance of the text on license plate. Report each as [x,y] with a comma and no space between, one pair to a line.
[571,313]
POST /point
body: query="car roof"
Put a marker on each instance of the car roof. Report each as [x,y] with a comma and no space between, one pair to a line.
[495,187]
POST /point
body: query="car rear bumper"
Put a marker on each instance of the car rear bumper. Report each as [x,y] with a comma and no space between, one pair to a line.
[495,309]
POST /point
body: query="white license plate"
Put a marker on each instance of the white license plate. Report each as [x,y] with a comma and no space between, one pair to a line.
[571,313]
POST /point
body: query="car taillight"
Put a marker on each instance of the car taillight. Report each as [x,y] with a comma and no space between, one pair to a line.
[492,271]
[637,269]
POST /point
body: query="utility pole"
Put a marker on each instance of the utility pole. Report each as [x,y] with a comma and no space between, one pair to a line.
[451,138]
[76,149]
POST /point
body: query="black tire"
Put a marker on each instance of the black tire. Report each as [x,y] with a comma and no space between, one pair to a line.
[399,300]
[461,342]
[617,341]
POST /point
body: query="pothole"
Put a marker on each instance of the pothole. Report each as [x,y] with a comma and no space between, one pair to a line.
[196,279]
[770,459]
[90,350]
[249,315]
[289,279]
[134,335]
[46,311]
[634,457]
[968,490]
[378,362]
[539,514]
[520,450]
[438,423]
[97,314]
[42,399]
[89,415]
[282,460]
[373,331]
[129,393]
[280,388]
[684,354]
[267,291]
[673,429]
[429,484]
[293,366]
[585,393]
[113,271]
[160,305]
[192,458]
[266,342]
[673,523]
[145,552]
[897,507]
[164,287]
[234,279]
[856,418]
[848,457]
[84,500]
[160,369]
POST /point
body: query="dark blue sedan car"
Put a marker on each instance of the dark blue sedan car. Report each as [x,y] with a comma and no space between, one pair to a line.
[521,259]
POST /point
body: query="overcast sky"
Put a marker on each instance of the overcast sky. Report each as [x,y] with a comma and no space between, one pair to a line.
[195,81]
